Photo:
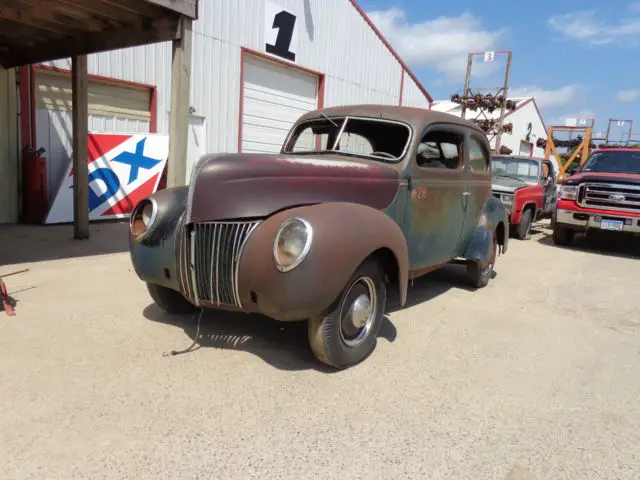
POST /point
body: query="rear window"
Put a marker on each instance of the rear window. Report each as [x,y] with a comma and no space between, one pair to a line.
[626,162]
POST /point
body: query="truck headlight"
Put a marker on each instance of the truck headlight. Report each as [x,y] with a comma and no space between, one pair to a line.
[143,216]
[292,243]
[568,192]
[507,200]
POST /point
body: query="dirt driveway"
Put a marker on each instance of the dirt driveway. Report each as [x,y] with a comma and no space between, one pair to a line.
[536,376]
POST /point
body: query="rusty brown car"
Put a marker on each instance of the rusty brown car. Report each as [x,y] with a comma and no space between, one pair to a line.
[359,199]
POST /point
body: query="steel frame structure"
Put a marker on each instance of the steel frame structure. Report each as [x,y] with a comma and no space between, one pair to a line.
[611,120]
[584,147]
[494,132]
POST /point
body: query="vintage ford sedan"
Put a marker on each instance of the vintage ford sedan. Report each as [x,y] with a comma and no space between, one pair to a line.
[360,199]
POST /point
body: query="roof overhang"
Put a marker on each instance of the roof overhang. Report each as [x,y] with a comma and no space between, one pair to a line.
[35,31]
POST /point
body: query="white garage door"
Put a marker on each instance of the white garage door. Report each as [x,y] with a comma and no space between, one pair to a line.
[113,108]
[274,98]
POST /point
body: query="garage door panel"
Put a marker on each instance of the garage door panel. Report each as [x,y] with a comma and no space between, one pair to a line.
[274,97]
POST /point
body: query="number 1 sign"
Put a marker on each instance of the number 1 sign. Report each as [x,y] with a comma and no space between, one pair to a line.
[280,31]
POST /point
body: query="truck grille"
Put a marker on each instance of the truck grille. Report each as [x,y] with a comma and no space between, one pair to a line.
[610,196]
[207,256]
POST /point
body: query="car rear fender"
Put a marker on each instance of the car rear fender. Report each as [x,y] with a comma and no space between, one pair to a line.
[493,220]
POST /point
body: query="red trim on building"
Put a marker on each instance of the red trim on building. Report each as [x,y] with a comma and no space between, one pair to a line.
[26,119]
[247,51]
[393,52]
[95,77]
[402,88]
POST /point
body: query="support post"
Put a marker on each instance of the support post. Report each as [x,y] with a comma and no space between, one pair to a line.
[80,118]
[505,92]
[180,103]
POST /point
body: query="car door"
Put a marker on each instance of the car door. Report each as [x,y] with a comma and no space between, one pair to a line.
[549,187]
[436,200]
[477,172]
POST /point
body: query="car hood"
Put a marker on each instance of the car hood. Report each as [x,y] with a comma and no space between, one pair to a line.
[233,186]
[507,185]
[602,177]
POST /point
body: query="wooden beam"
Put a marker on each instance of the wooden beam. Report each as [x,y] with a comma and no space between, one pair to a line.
[180,102]
[188,8]
[80,118]
[161,30]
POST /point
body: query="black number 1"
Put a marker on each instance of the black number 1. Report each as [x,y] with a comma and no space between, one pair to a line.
[284,22]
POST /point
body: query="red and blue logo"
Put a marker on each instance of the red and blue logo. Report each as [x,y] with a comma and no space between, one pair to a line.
[123,169]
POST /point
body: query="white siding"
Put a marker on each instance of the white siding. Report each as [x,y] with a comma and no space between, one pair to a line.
[412,96]
[9,173]
[333,39]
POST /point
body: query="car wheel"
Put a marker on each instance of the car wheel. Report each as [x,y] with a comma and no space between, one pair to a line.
[169,300]
[480,275]
[562,236]
[523,230]
[347,334]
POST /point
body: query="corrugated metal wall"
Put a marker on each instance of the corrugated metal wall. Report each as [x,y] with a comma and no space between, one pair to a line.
[412,96]
[333,39]
[9,173]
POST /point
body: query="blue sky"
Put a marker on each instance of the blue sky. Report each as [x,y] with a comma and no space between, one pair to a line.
[579,59]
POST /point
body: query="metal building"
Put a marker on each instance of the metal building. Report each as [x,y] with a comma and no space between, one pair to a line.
[256,66]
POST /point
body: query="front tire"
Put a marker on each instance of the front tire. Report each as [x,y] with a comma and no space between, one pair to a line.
[562,236]
[479,276]
[347,334]
[523,230]
[169,300]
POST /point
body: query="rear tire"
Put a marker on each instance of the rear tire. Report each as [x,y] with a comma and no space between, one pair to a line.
[169,300]
[562,236]
[523,229]
[347,333]
[479,276]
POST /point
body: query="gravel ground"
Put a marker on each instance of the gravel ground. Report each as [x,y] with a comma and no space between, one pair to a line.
[537,376]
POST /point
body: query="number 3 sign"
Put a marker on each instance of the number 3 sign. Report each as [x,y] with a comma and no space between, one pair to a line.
[281,34]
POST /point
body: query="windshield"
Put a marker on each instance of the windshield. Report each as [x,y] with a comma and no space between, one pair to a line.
[517,168]
[372,138]
[613,162]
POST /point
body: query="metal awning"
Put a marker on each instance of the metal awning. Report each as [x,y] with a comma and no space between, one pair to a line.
[34,31]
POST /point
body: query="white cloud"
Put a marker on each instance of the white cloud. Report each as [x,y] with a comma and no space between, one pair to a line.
[442,43]
[549,98]
[589,27]
[628,96]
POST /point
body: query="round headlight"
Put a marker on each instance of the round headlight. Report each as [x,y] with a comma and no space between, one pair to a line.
[292,243]
[142,217]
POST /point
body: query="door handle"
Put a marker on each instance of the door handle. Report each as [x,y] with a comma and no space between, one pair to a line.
[466,194]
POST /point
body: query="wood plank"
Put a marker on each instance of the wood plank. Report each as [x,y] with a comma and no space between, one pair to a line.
[185,7]
[80,121]
[161,30]
[180,102]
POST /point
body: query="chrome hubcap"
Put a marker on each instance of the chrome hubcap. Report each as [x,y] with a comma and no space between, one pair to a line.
[358,311]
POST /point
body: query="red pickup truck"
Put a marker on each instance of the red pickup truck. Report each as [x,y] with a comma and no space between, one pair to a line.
[603,195]
[527,188]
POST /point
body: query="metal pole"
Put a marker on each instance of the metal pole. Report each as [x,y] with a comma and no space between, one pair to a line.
[467,85]
[505,92]
[630,130]
[606,138]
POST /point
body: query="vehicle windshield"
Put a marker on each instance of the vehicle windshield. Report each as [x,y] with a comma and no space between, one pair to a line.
[516,168]
[382,140]
[613,162]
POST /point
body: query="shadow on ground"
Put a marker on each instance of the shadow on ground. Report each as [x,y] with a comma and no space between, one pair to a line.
[285,345]
[607,245]
[36,243]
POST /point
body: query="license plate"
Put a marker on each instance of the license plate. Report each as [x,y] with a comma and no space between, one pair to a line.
[615,225]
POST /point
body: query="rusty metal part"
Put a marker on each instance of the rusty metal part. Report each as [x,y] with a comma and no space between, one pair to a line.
[344,235]
[256,185]
[6,300]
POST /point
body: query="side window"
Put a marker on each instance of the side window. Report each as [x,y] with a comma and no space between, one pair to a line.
[478,157]
[440,150]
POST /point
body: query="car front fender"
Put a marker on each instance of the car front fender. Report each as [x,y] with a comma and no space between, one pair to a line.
[493,221]
[344,235]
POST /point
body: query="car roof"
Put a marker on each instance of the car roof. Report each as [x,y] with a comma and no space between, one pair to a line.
[418,118]
[521,157]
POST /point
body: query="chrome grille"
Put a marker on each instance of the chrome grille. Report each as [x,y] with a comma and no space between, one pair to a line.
[610,196]
[208,255]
